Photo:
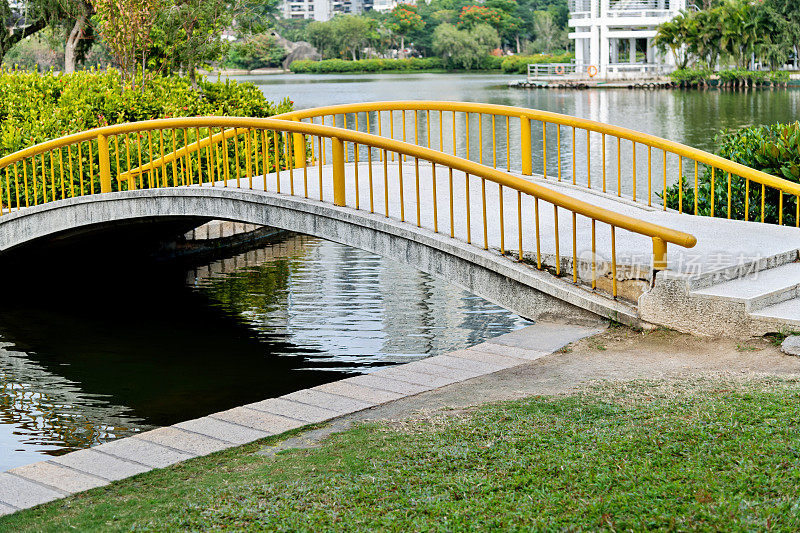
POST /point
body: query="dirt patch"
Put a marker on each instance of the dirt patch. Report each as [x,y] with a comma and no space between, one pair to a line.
[616,355]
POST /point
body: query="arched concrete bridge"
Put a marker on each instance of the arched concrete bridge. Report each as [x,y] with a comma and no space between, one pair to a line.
[446,214]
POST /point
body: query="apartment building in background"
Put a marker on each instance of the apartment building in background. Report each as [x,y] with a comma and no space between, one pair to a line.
[322,10]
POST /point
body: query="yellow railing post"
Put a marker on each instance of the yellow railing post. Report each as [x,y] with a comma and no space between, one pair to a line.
[659,254]
[298,149]
[525,145]
[338,171]
[105,163]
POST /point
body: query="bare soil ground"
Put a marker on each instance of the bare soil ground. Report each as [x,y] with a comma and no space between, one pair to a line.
[619,354]
[616,355]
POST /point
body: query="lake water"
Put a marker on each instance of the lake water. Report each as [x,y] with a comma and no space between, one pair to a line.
[168,342]
[85,358]
[692,117]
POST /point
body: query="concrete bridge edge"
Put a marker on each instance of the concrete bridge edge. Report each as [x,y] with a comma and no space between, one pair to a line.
[500,280]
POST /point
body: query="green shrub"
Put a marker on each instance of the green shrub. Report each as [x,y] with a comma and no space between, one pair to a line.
[39,107]
[772,149]
[328,66]
[743,76]
[519,64]
[737,76]
[691,76]
[779,76]
[36,108]
[491,63]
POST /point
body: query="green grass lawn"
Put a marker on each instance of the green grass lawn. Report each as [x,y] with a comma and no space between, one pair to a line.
[703,455]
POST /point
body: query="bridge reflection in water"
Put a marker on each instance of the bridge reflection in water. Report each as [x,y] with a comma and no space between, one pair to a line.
[185,341]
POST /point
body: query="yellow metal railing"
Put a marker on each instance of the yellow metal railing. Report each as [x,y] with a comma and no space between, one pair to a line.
[583,152]
[285,156]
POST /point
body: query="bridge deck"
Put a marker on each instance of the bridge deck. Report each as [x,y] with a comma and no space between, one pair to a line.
[720,242]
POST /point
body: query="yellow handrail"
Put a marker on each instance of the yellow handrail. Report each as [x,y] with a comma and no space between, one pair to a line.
[291,154]
[404,148]
[553,118]
[720,170]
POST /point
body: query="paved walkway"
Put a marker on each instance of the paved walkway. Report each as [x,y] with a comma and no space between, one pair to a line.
[41,482]
[720,242]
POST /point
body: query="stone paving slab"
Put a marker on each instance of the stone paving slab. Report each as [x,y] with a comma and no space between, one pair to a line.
[328,401]
[143,452]
[545,336]
[415,377]
[486,357]
[509,351]
[100,465]
[374,381]
[184,441]
[22,493]
[222,430]
[469,365]
[7,509]
[354,391]
[433,369]
[298,411]
[267,422]
[58,477]
[31,485]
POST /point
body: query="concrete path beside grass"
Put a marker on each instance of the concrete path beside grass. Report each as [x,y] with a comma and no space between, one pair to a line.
[41,482]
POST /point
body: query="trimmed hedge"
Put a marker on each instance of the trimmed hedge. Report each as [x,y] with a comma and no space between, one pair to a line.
[728,77]
[519,64]
[39,107]
[327,66]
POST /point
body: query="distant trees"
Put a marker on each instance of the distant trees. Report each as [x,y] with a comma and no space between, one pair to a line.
[342,35]
[735,31]
[404,20]
[521,25]
[258,51]
[464,48]
[184,35]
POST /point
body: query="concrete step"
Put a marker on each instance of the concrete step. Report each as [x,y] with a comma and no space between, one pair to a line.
[759,289]
[720,275]
[787,312]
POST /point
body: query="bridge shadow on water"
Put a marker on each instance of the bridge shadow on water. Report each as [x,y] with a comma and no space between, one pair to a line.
[129,328]
[100,336]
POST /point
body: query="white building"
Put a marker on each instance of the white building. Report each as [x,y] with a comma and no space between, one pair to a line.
[616,36]
[322,10]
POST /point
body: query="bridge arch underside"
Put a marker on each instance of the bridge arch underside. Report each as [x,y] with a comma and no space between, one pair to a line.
[519,288]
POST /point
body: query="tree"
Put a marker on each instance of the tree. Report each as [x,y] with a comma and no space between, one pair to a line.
[190,33]
[23,18]
[733,31]
[472,16]
[259,51]
[404,20]
[499,14]
[549,36]
[81,12]
[126,27]
[671,36]
[343,35]
[464,48]
[352,33]
[321,35]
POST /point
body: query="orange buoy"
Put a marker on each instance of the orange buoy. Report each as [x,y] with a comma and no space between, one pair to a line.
[592,70]
[560,70]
